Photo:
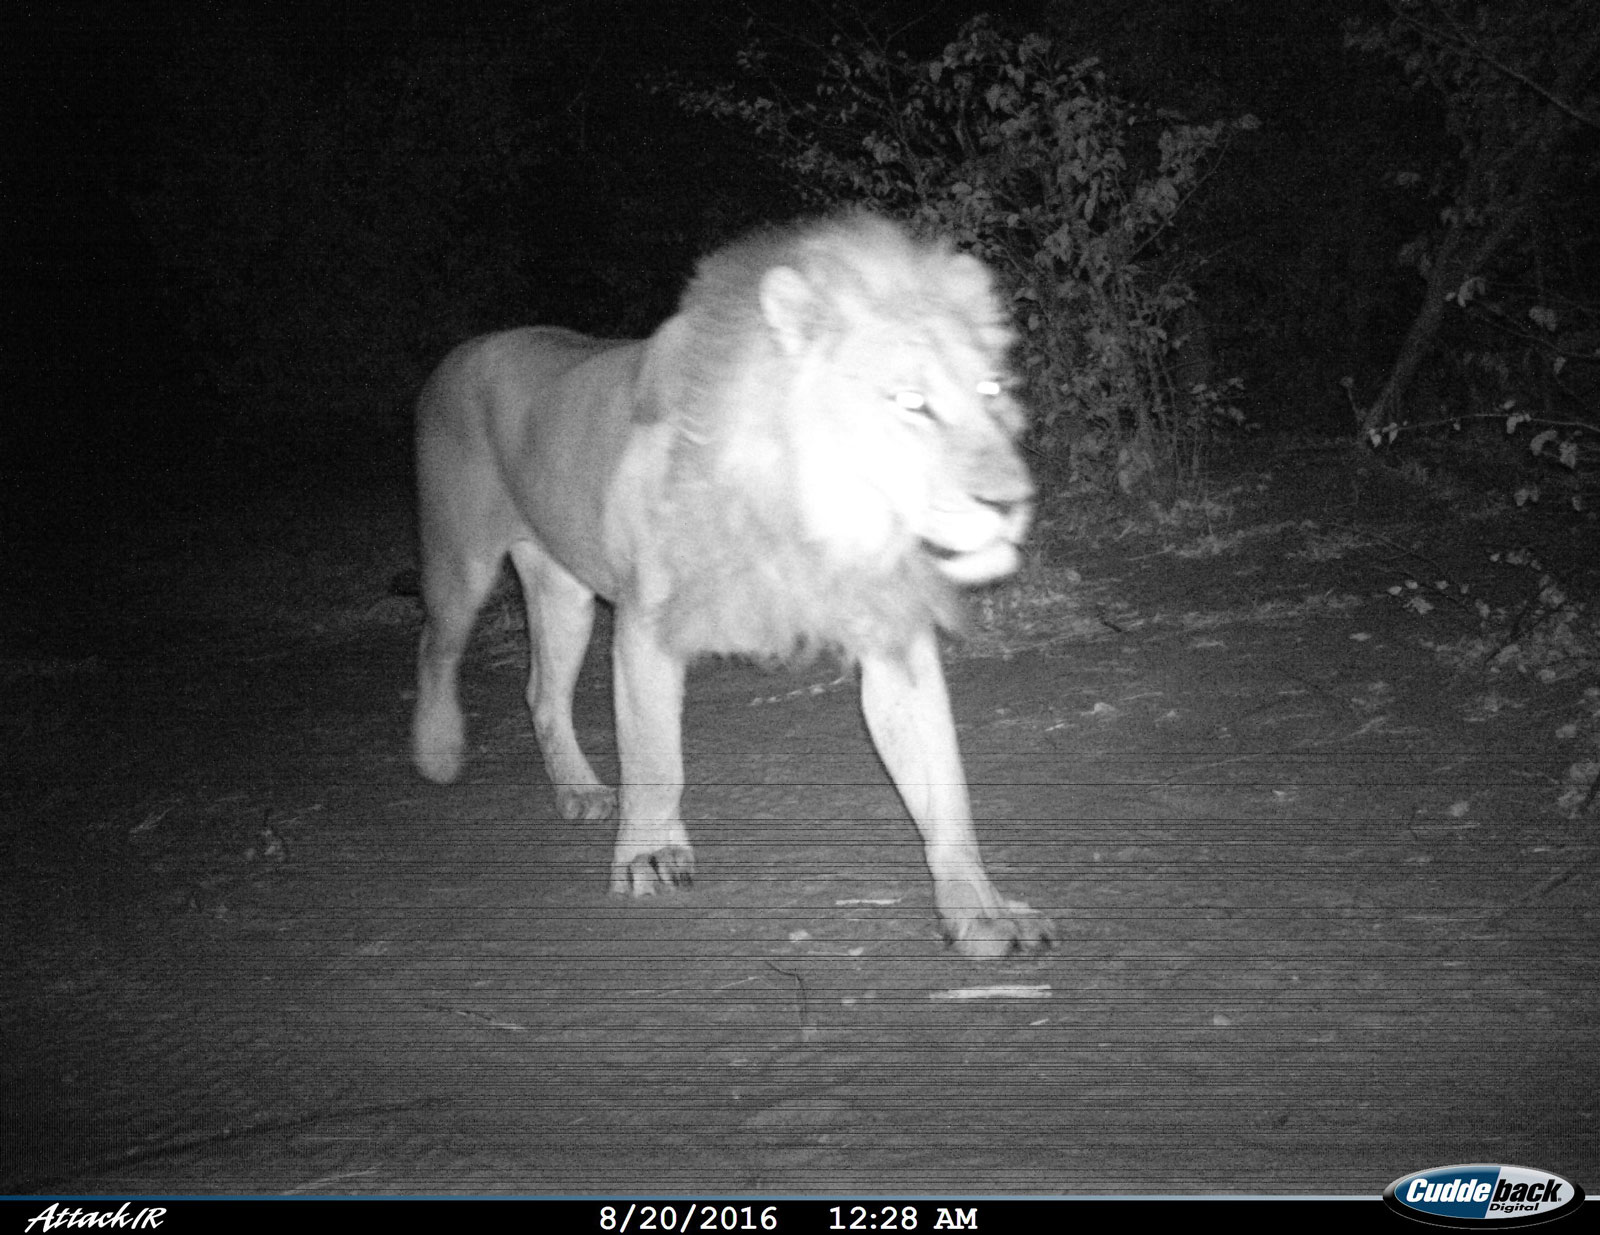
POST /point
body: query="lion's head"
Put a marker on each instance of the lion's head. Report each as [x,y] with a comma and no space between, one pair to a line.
[844,449]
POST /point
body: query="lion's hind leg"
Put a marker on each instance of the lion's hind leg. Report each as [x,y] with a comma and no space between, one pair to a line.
[907,710]
[560,619]
[452,592]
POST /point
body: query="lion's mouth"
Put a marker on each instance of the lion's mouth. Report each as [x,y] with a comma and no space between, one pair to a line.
[973,566]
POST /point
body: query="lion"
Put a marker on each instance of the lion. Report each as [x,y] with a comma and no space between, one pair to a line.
[812,455]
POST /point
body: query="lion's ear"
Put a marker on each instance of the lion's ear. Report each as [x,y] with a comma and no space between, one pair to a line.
[791,307]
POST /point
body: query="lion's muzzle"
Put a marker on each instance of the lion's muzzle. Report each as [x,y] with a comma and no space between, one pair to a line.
[978,543]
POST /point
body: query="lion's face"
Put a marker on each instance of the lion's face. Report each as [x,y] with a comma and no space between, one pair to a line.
[902,422]
[909,446]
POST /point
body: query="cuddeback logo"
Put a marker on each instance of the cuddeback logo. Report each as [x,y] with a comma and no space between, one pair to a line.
[1482,1195]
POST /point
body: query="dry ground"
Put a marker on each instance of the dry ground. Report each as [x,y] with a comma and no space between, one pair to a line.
[1324,880]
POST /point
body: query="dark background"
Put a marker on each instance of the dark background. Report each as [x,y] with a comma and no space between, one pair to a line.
[247,230]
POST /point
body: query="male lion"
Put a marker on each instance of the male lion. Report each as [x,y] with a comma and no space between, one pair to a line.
[811,454]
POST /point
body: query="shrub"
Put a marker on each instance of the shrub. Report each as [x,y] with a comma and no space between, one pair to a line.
[1027,158]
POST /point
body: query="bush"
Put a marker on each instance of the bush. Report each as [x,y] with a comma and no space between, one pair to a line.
[1509,326]
[1028,159]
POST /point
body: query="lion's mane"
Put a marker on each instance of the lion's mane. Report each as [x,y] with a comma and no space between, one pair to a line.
[745,577]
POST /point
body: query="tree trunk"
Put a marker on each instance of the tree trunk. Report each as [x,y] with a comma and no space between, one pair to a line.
[1504,182]
[1385,409]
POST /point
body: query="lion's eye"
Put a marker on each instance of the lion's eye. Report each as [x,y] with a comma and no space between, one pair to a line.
[911,401]
[988,388]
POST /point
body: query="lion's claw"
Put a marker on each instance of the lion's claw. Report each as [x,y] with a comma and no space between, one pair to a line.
[588,803]
[1022,931]
[666,870]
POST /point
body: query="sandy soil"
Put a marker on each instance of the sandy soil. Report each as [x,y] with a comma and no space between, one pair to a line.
[1323,918]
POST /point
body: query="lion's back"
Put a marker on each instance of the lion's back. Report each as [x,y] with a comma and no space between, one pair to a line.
[533,424]
[514,363]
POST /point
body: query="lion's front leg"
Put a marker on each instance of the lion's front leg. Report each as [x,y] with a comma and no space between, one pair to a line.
[908,713]
[653,852]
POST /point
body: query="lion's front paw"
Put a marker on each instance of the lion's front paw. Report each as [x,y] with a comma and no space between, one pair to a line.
[987,936]
[588,802]
[666,870]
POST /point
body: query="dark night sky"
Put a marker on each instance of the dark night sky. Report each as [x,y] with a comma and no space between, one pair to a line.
[85,76]
[87,109]
[100,100]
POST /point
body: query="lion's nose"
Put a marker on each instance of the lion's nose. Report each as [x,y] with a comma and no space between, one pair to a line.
[1016,511]
[1007,505]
